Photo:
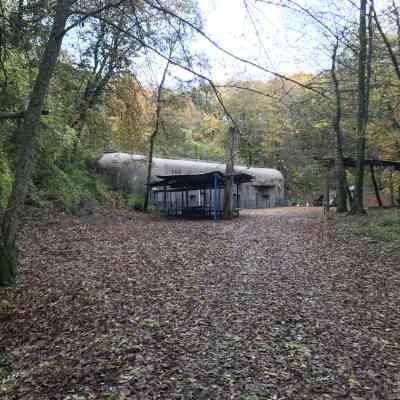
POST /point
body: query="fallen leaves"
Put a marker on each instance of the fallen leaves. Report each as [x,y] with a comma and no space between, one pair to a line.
[274,305]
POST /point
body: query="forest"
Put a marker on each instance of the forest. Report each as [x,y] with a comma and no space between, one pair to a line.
[136,307]
[88,99]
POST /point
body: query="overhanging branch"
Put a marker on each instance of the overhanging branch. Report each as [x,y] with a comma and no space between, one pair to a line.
[164,10]
[16,114]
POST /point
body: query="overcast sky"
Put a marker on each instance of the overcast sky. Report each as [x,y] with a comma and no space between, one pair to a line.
[267,35]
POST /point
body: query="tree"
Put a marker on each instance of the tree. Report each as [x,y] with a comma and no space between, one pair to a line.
[27,136]
[155,133]
[128,111]
[362,118]
[341,183]
[108,52]
[230,172]
[122,23]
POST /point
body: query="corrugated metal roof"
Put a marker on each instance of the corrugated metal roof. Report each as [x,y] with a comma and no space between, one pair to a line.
[199,181]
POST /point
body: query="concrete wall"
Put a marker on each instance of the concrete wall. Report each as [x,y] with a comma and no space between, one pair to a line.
[128,172]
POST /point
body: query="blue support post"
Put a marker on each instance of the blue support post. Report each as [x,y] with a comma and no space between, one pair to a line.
[218,201]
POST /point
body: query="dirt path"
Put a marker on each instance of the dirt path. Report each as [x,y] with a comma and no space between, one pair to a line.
[270,306]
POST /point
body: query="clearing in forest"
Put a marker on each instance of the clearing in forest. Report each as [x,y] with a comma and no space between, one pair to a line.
[274,305]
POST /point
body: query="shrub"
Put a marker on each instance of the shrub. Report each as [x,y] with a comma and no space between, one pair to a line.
[391,220]
[135,202]
[6,181]
[68,186]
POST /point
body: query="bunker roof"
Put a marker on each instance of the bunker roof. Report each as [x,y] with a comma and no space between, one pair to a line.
[165,166]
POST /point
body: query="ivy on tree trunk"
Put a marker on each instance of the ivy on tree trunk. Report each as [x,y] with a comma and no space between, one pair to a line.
[339,163]
[362,111]
[27,133]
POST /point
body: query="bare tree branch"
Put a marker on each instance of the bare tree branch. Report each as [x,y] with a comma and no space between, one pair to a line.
[163,9]
[388,45]
[179,65]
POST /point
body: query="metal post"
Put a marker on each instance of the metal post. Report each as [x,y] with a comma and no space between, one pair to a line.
[182,203]
[219,204]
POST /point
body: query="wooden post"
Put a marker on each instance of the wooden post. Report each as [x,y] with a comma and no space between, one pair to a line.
[375,183]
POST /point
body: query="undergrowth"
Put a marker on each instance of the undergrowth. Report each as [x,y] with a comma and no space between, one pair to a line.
[70,186]
[5,369]
[134,202]
[5,181]
[67,186]
[381,225]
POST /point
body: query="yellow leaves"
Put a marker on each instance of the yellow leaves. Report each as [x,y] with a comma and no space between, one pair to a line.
[6,307]
[302,77]
[130,113]
[322,124]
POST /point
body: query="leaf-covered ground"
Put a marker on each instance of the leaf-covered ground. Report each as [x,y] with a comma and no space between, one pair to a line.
[274,305]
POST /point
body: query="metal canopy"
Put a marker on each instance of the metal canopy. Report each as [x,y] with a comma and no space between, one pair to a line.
[198,181]
[198,195]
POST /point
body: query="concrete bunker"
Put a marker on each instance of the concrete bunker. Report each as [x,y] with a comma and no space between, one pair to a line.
[128,172]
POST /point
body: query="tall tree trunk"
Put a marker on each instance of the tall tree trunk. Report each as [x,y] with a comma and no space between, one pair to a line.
[389,47]
[149,169]
[362,112]
[391,188]
[375,184]
[27,135]
[398,195]
[154,134]
[339,163]
[326,200]
[229,172]
[285,185]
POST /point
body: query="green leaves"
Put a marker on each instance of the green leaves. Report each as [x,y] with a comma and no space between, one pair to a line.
[6,180]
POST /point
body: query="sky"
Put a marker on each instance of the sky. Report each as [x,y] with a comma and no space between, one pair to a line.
[274,37]
[271,36]
[264,34]
[228,23]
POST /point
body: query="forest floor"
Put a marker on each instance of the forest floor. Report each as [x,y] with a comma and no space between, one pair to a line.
[278,304]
